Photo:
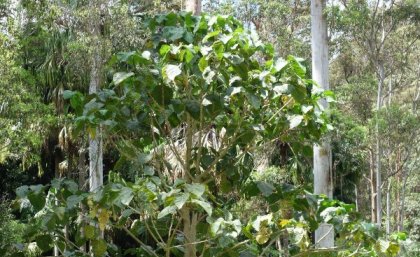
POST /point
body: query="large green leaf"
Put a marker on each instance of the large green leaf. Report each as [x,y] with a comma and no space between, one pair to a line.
[44,242]
[193,108]
[126,195]
[74,200]
[119,77]
[166,211]
[173,33]
[162,94]
[195,189]
[37,200]
[205,205]
[265,188]
[181,199]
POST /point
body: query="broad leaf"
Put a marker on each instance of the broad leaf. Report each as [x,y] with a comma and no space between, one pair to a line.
[121,76]
[171,71]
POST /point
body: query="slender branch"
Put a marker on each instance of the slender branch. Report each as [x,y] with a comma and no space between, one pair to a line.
[145,247]
[277,112]
[233,247]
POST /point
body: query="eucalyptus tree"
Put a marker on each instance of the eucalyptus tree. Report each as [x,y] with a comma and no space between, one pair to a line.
[323,177]
[375,26]
[96,76]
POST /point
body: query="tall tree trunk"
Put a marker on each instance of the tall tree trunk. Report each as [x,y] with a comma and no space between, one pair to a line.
[95,139]
[381,73]
[324,235]
[398,192]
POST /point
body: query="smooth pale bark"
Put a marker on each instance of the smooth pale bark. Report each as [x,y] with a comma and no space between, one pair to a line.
[372,187]
[95,139]
[356,194]
[324,235]
[381,74]
[193,6]
[401,210]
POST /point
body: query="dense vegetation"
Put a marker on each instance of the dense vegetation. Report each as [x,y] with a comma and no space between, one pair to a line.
[206,124]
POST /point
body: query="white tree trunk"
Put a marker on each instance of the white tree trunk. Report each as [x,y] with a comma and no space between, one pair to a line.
[95,141]
[381,81]
[324,235]
[356,194]
[402,207]
[193,6]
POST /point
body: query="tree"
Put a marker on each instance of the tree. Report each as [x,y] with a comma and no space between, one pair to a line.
[322,152]
[375,27]
[95,136]
[212,98]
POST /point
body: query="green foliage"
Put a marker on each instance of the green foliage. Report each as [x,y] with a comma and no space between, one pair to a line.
[12,232]
[23,117]
[226,93]
[350,152]
[8,226]
[124,205]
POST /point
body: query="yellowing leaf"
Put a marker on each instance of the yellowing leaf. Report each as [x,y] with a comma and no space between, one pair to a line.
[261,239]
[103,217]
[263,235]
[91,132]
[93,211]
[283,223]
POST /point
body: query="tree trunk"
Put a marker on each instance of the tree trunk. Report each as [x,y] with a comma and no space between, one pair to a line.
[372,187]
[388,208]
[189,217]
[381,73]
[404,185]
[189,221]
[82,186]
[356,195]
[193,6]
[324,235]
[398,192]
[95,138]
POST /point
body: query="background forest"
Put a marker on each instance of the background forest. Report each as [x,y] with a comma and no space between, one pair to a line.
[201,128]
